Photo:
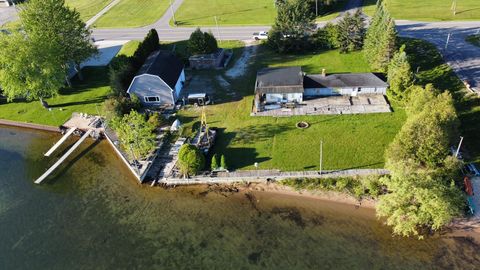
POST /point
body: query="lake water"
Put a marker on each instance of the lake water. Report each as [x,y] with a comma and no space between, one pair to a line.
[93,215]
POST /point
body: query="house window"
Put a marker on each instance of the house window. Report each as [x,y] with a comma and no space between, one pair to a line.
[152,99]
[359,89]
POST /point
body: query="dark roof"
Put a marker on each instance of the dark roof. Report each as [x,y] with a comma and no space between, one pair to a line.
[165,65]
[280,80]
[343,80]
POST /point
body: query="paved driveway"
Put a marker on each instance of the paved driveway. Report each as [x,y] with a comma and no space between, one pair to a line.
[7,14]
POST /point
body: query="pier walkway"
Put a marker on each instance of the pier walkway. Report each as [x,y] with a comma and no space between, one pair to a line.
[264,175]
[65,156]
[62,140]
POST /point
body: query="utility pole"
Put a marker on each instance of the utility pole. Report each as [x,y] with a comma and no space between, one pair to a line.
[173,13]
[448,40]
[321,155]
[454,7]
[459,145]
[218,30]
[316,8]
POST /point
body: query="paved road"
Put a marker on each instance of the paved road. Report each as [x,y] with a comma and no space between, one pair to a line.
[7,14]
[463,57]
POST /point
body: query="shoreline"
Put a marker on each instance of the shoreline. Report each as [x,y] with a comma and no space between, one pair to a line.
[322,195]
[459,227]
[17,124]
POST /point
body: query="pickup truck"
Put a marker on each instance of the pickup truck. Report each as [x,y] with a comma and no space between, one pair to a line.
[263,35]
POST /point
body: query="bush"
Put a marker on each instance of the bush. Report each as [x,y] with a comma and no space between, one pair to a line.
[190,160]
[202,43]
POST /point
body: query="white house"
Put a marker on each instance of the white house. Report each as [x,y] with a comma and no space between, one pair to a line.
[277,87]
[5,2]
[159,81]
[345,84]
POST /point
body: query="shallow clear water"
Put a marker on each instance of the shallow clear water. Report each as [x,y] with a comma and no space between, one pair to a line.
[93,215]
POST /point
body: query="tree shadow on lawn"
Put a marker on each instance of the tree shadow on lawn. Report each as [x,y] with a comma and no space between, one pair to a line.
[238,157]
[74,103]
[93,78]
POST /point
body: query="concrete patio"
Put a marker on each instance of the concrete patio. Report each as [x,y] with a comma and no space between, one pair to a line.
[333,105]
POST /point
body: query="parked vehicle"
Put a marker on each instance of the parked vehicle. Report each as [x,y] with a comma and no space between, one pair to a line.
[263,35]
[472,169]
[199,99]
[468,186]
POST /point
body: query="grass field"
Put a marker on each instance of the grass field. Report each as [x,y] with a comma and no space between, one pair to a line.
[350,141]
[86,96]
[133,13]
[87,8]
[434,70]
[228,12]
[428,10]
[232,12]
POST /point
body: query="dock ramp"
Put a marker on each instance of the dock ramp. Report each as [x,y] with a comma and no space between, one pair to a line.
[62,140]
[62,159]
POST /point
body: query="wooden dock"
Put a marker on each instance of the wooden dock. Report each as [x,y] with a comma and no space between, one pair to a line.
[62,140]
[65,156]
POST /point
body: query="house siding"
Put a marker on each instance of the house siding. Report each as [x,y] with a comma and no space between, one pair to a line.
[151,86]
[179,85]
[290,97]
[347,91]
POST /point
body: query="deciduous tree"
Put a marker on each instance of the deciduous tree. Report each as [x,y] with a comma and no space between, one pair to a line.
[135,133]
[190,160]
[202,42]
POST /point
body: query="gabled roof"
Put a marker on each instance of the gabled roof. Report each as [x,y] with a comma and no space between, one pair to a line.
[343,80]
[165,65]
[280,80]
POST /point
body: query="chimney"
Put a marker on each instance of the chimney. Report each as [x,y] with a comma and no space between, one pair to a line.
[324,72]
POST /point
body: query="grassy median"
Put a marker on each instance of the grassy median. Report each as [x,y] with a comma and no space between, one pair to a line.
[87,8]
[133,13]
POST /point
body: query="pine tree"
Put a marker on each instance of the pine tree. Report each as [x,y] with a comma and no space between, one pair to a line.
[223,163]
[351,32]
[400,76]
[380,41]
[214,164]
[385,48]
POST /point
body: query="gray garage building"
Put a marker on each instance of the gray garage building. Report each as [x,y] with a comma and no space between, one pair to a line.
[160,80]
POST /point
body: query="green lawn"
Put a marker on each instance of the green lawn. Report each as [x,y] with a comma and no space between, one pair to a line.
[474,39]
[86,96]
[434,70]
[350,141]
[133,13]
[87,8]
[129,48]
[232,12]
[429,10]
[228,12]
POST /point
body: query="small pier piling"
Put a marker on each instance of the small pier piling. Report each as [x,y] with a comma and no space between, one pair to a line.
[65,156]
[62,140]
